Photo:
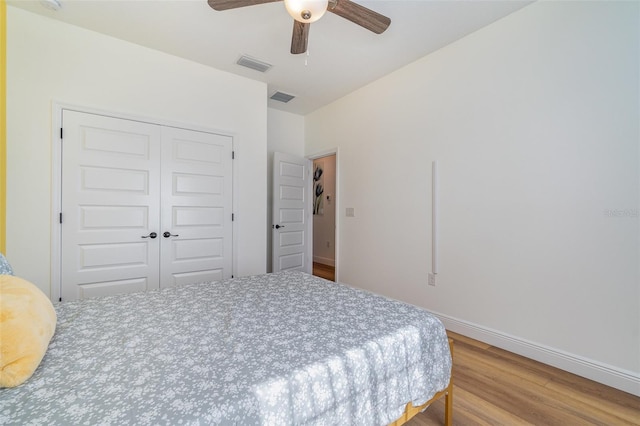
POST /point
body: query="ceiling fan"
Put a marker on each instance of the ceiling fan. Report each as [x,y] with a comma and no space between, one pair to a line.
[304,12]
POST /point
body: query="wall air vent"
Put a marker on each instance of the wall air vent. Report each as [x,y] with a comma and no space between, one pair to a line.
[282,97]
[254,64]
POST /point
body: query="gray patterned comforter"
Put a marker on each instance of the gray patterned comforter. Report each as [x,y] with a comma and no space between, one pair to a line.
[275,349]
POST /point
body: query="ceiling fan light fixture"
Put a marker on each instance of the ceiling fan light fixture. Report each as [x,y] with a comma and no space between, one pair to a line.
[306,11]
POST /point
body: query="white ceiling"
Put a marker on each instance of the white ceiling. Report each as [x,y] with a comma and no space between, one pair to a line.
[342,56]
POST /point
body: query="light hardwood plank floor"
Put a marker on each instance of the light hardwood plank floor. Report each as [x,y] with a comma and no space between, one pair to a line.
[324,271]
[496,387]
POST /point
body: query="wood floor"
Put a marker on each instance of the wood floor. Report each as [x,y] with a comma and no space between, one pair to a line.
[496,387]
[324,271]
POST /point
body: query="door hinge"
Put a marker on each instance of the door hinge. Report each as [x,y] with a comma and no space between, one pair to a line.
[233,217]
[233,155]
[60,299]
[231,276]
[60,217]
[60,132]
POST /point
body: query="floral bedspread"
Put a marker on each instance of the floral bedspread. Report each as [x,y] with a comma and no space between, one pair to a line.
[275,349]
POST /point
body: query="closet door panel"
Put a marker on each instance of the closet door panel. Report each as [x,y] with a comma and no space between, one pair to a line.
[110,201]
[196,206]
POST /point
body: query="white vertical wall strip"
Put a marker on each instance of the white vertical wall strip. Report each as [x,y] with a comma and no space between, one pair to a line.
[434,217]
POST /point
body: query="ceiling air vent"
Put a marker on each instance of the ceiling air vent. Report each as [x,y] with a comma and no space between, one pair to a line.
[51,4]
[282,97]
[254,64]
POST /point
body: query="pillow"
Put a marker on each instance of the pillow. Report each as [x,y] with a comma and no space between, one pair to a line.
[5,268]
[27,323]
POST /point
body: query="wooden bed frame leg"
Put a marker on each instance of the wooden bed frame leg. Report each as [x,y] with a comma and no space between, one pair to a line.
[448,400]
[448,407]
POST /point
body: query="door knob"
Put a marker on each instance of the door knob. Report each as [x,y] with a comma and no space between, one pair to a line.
[279,226]
[151,235]
[168,234]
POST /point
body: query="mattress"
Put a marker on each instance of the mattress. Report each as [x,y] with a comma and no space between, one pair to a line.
[274,349]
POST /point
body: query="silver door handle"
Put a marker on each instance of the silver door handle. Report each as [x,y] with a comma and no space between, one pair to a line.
[151,235]
[168,234]
[279,226]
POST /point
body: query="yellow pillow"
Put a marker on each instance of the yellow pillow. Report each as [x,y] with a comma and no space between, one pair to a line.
[27,323]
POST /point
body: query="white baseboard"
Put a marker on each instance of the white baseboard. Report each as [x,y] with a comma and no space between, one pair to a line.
[624,380]
[324,260]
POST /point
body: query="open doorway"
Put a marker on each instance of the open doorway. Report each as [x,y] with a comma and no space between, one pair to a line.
[324,217]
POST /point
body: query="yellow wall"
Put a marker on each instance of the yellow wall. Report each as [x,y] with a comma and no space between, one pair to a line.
[3,124]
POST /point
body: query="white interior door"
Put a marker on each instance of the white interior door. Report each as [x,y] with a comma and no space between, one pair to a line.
[110,205]
[291,226]
[196,207]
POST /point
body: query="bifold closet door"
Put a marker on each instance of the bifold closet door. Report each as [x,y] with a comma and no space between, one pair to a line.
[196,207]
[110,205]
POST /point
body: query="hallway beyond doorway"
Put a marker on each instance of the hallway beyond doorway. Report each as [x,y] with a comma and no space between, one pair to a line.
[324,271]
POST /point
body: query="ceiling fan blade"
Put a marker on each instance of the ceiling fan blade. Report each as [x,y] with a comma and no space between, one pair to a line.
[366,18]
[234,4]
[300,37]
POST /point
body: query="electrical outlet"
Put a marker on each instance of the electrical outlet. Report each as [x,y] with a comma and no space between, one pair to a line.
[432,279]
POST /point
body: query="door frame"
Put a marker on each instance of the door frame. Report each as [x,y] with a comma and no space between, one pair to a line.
[337,197]
[57,109]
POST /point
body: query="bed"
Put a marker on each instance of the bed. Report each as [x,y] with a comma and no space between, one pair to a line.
[274,349]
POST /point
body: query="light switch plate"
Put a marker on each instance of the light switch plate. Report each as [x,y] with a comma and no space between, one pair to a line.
[351,212]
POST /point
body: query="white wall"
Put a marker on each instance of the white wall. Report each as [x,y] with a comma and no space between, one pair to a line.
[324,225]
[48,60]
[285,134]
[534,121]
